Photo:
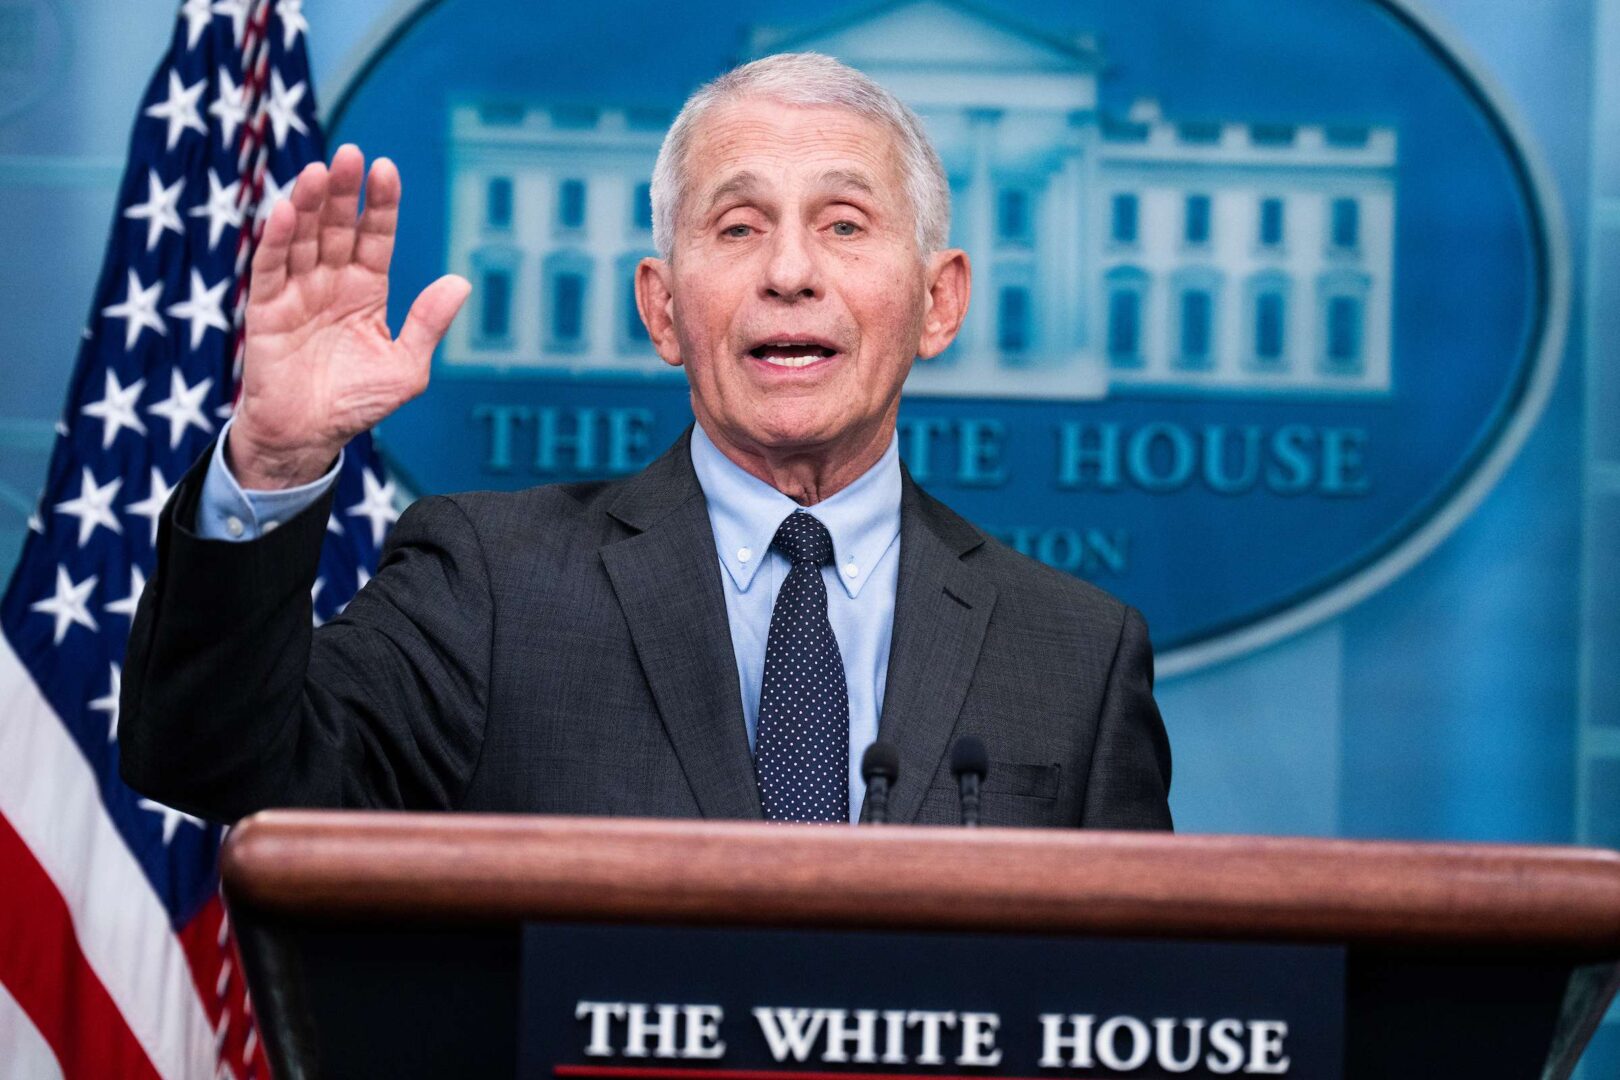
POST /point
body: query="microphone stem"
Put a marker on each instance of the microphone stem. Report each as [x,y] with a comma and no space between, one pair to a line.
[970,801]
[877,799]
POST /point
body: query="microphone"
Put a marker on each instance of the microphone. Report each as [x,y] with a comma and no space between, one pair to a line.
[880,766]
[970,763]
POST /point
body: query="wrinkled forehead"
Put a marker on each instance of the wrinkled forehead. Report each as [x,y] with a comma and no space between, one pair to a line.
[758,148]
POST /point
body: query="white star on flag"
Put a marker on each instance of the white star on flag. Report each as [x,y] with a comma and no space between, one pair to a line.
[238,10]
[126,606]
[377,505]
[151,507]
[108,703]
[361,577]
[292,21]
[93,505]
[283,107]
[229,107]
[273,193]
[183,407]
[333,525]
[197,17]
[171,818]
[202,307]
[139,308]
[116,409]
[180,110]
[68,604]
[161,210]
[220,209]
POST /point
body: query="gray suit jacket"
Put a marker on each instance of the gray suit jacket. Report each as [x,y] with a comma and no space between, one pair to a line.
[565,649]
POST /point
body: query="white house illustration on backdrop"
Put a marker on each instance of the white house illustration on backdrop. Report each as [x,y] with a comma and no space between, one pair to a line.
[1139,251]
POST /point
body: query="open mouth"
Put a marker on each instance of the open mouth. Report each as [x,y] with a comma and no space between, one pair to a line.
[792,354]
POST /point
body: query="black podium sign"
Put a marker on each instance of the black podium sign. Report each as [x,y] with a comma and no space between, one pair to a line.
[650,1003]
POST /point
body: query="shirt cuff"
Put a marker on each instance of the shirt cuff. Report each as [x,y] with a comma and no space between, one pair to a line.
[228,512]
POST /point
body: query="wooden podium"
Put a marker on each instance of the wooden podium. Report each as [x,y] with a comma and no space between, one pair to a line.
[389,944]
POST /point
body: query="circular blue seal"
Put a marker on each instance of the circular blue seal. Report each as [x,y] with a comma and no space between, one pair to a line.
[1267,294]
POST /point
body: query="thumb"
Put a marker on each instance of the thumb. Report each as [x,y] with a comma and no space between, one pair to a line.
[430,316]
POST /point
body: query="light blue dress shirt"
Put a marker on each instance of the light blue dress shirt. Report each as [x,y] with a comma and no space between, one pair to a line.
[744,512]
[227,511]
[864,520]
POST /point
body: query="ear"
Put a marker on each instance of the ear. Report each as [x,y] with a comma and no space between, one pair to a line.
[950,281]
[655,301]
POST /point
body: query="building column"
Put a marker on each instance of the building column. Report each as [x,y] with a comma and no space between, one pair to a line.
[982,355]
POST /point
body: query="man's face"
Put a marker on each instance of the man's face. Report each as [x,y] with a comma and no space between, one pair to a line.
[795,295]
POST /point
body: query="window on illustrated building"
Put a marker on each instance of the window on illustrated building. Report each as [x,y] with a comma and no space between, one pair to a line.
[1123,223]
[494,276]
[495,308]
[1271,223]
[1267,304]
[1013,319]
[1346,224]
[571,204]
[1197,314]
[498,203]
[1127,289]
[1012,216]
[1342,323]
[1197,224]
[566,287]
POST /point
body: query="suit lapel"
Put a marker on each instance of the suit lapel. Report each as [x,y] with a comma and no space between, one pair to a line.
[941,610]
[667,580]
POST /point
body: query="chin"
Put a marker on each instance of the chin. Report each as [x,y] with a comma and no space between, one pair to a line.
[793,432]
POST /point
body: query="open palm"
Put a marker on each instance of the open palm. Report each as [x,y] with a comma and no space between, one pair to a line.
[320,364]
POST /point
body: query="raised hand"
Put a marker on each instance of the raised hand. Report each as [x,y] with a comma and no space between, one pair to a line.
[320,365]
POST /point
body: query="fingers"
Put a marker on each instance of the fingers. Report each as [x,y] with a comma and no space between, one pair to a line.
[374,245]
[270,260]
[337,224]
[308,197]
[430,316]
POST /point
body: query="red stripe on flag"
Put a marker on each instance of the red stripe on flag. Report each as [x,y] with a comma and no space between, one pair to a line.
[216,968]
[43,968]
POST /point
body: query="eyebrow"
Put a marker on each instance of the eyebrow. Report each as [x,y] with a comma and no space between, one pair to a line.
[746,182]
[846,178]
[740,184]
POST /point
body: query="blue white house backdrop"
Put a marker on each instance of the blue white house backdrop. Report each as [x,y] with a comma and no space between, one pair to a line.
[1180,253]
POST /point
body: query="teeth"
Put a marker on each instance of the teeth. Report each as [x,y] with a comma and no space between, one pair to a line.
[792,361]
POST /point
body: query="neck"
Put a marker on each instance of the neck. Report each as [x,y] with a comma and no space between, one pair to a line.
[808,475]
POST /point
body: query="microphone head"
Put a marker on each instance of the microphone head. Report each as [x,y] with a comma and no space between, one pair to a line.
[880,759]
[969,757]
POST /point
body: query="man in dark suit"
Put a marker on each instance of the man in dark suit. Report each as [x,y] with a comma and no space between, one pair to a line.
[720,635]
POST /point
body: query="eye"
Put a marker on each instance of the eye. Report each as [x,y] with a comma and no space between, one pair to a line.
[845,228]
[737,232]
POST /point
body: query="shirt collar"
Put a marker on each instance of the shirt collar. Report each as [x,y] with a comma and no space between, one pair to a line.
[745,512]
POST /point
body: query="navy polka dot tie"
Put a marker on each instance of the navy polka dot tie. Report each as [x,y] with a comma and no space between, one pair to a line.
[802,746]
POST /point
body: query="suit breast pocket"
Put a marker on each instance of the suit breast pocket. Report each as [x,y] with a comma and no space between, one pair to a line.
[1019,778]
[1014,794]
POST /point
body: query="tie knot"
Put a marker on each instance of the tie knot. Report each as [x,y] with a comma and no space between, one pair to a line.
[804,540]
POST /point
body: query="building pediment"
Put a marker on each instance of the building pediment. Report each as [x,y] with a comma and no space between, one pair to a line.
[931,34]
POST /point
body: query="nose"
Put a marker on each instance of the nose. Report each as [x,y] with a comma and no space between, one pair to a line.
[790,272]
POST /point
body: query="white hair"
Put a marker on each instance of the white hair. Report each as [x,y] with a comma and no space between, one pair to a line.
[806,79]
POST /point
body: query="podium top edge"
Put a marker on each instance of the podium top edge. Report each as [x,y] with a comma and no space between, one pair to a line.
[486,868]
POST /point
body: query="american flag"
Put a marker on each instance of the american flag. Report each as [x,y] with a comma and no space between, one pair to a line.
[115,955]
